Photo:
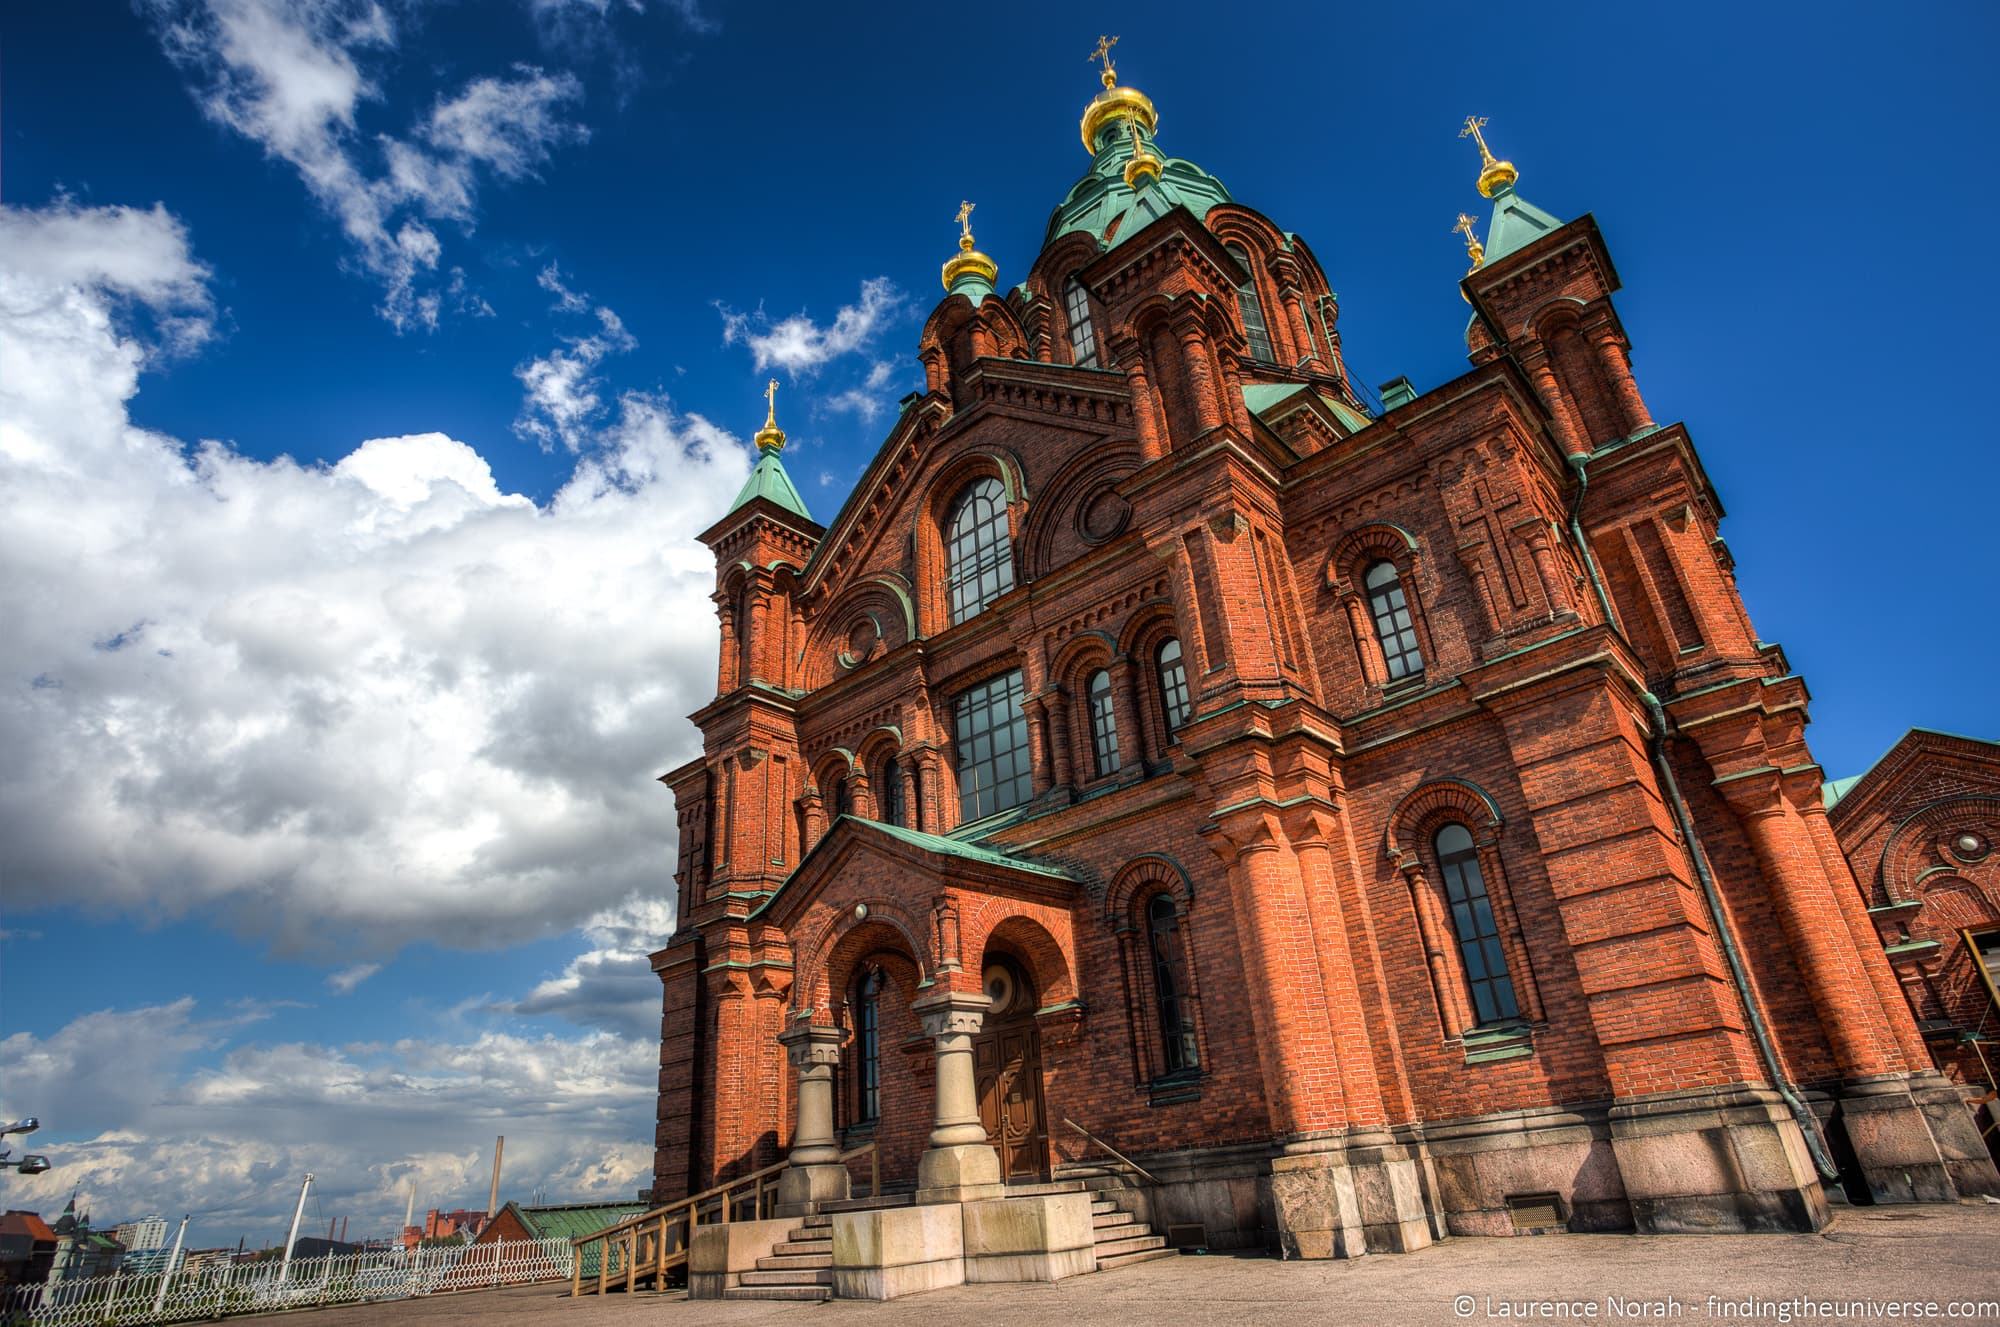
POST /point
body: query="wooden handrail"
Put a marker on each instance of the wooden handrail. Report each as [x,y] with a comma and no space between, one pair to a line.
[669,1209]
[1144,1174]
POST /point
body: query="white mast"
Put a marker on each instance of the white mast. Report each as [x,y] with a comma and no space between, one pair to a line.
[298,1212]
[173,1261]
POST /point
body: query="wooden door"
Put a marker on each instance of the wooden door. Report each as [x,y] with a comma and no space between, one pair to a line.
[1008,1064]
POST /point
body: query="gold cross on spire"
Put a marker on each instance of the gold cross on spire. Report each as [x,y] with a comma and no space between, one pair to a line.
[770,438]
[771,400]
[1103,52]
[1473,124]
[965,220]
[1473,248]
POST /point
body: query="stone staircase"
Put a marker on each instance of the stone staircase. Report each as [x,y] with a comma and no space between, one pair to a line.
[798,1268]
[1121,1239]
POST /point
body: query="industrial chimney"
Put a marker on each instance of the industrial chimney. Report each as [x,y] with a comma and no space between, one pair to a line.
[493,1198]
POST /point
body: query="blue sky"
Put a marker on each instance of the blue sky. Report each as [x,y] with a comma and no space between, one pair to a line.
[331,840]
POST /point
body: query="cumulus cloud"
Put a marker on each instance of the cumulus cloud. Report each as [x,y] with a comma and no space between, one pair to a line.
[176,1112]
[339,706]
[798,344]
[611,984]
[293,75]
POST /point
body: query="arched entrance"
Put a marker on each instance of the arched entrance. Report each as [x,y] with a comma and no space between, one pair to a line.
[1007,1066]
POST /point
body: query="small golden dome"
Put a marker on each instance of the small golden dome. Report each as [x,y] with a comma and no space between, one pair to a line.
[969,262]
[1116,103]
[771,438]
[1495,176]
[1144,167]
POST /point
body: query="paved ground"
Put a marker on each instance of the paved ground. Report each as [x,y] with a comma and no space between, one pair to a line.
[1937,1254]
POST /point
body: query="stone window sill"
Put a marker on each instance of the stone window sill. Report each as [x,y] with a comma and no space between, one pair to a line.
[1175,1089]
[1506,1041]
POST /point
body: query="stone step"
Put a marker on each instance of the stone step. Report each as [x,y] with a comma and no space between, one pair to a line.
[1110,1220]
[862,1204]
[1102,1206]
[795,1262]
[814,1277]
[1036,1190]
[1117,1260]
[808,1293]
[795,1245]
[820,1222]
[1111,1248]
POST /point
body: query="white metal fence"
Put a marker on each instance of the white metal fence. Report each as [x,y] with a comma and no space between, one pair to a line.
[218,1290]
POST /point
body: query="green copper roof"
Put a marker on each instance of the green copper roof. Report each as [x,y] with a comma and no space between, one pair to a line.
[769,480]
[1833,790]
[1109,210]
[970,852]
[574,1220]
[1263,397]
[1516,224]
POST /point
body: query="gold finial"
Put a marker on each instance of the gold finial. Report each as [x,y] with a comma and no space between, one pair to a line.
[1103,52]
[1114,103]
[771,438]
[969,262]
[1473,248]
[1494,176]
[1144,167]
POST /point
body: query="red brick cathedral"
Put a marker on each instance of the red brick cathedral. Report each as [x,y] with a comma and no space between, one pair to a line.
[1350,823]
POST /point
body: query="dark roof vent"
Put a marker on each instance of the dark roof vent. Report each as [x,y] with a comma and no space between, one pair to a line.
[1397,391]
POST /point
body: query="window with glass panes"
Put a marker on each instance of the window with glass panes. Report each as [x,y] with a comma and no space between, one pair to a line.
[979,552]
[1082,336]
[1393,626]
[889,792]
[868,1047]
[992,747]
[1163,930]
[1251,309]
[1173,683]
[1103,725]
[1472,921]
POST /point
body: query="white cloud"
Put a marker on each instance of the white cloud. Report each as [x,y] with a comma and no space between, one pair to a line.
[344,981]
[798,344]
[341,706]
[561,403]
[172,1112]
[292,76]
[865,400]
[610,985]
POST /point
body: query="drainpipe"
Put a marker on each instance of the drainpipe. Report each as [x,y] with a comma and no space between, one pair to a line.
[1657,736]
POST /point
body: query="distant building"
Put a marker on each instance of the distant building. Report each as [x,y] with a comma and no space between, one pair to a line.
[463,1223]
[557,1221]
[146,1233]
[196,1259]
[81,1251]
[319,1246]
[27,1248]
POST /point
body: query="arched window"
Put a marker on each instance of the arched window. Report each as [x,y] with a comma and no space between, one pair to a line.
[979,552]
[992,732]
[1472,921]
[868,1047]
[1082,336]
[842,802]
[1170,986]
[1103,724]
[1173,683]
[1251,309]
[1393,626]
[889,792]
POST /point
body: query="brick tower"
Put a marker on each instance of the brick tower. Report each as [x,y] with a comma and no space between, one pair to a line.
[1379,822]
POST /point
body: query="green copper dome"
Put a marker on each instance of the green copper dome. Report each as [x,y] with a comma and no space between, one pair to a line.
[1105,207]
[1516,223]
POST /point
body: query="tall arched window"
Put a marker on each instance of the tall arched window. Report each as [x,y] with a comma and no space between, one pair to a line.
[1170,986]
[868,1047]
[842,802]
[889,792]
[992,732]
[1173,683]
[979,551]
[1082,336]
[1103,724]
[1472,921]
[1393,625]
[1252,309]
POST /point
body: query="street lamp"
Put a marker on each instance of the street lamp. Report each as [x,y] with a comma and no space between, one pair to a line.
[31,1163]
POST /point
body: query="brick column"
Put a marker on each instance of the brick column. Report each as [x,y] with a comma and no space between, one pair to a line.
[1151,445]
[1544,377]
[1061,752]
[1618,373]
[1309,828]
[726,665]
[1125,712]
[1201,378]
[1812,922]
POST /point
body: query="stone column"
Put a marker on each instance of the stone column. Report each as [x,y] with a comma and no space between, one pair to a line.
[959,1165]
[814,1174]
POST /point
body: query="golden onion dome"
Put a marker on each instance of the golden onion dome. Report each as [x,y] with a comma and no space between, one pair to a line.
[1144,167]
[1495,176]
[968,263]
[771,438]
[1113,104]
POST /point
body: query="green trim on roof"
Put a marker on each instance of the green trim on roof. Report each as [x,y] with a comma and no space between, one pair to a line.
[1516,224]
[768,480]
[1102,198]
[937,843]
[1833,790]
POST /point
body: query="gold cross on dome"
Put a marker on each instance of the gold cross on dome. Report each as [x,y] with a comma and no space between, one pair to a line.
[1464,227]
[1103,52]
[771,399]
[965,220]
[1473,124]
